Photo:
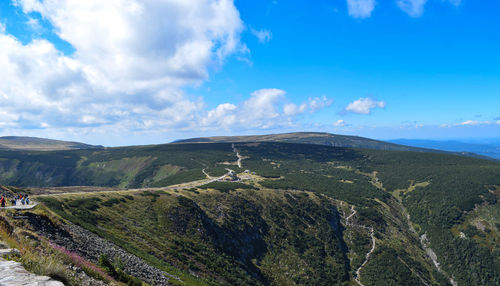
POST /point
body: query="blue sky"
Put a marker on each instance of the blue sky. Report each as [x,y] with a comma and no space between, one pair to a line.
[137,72]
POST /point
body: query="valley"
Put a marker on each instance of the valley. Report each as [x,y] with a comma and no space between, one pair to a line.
[272,213]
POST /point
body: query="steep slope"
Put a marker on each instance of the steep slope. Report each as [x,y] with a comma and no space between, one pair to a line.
[237,238]
[40,144]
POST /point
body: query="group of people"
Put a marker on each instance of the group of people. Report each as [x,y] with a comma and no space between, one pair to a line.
[24,199]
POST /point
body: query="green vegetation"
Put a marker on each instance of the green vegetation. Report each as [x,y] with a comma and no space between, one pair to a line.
[287,225]
[117,273]
[226,186]
[126,167]
[391,267]
[230,238]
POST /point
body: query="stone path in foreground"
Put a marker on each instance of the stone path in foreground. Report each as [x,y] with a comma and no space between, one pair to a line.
[13,274]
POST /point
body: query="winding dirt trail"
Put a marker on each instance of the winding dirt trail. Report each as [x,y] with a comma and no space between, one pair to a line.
[237,155]
[357,277]
[206,174]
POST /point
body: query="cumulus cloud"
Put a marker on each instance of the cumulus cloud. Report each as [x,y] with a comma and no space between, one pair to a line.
[317,103]
[223,115]
[262,107]
[265,108]
[364,105]
[130,64]
[339,123]
[291,109]
[360,8]
[263,35]
[414,8]
[259,111]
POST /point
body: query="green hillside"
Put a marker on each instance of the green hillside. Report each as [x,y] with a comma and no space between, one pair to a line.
[304,214]
[127,167]
[322,138]
[40,144]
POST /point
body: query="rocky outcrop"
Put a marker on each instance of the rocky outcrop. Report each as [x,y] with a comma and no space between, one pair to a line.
[91,246]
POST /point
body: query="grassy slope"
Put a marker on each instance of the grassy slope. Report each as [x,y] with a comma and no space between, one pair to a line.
[241,237]
[142,166]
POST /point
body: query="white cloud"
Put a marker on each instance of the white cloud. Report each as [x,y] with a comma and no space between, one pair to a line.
[263,35]
[473,123]
[339,123]
[261,110]
[317,103]
[470,122]
[34,24]
[131,62]
[364,105]
[312,105]
[414,8]
[266,108]
[223,115]
[291,109]
[360,8]
[2,28]
[262,106]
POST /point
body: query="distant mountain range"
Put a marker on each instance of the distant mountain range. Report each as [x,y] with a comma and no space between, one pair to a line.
[321,138]
[40,144]
[490,148]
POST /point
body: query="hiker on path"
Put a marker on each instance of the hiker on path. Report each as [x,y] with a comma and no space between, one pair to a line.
[2,202]
[27,199]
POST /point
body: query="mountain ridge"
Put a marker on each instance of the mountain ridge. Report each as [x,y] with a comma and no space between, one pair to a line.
[26,143]
[324,138]
[489,149]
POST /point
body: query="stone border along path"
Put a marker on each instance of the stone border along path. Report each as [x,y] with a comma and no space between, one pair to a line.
[13,273]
